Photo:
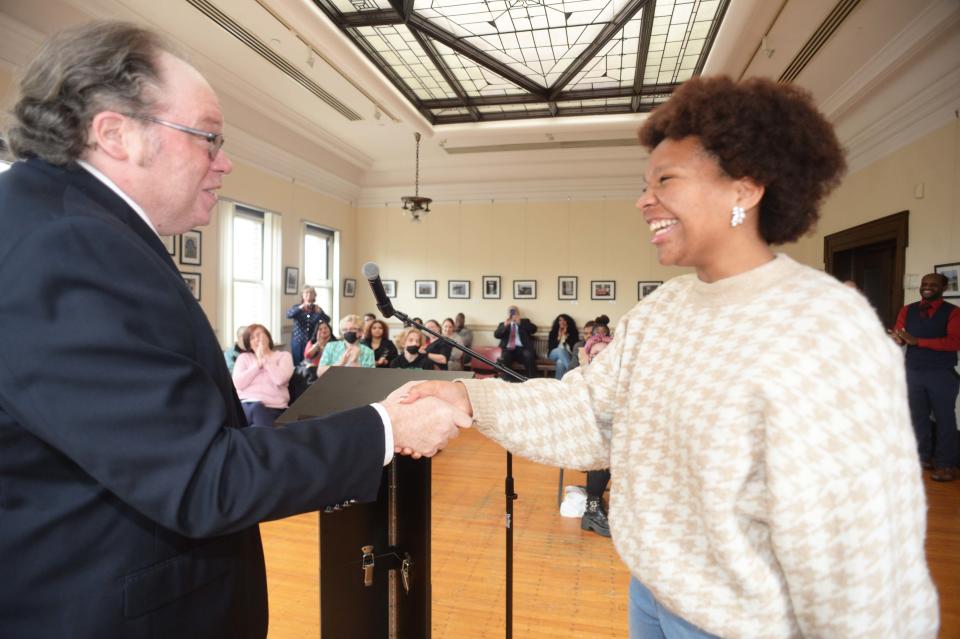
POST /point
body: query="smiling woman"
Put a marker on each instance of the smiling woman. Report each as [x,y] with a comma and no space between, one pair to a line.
[722,406]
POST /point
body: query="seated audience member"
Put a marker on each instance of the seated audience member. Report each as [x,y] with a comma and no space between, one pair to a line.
[436,349]
[314,349]
[410,355]
[578,347]
[377,339]
[560,342]
[261,376]
[601,329]
[368,319]
[232,353]
[455,361]
[305,315]
[516,340]
[466,336]
[348,351]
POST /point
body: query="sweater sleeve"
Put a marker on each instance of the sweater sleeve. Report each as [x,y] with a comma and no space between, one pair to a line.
[563,423]
[846,502]
[279,368]
[244,371]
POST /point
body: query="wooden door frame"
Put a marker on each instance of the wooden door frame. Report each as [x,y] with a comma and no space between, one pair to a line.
[892,227]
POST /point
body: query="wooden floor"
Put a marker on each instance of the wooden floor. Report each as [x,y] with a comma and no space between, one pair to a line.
[567,583]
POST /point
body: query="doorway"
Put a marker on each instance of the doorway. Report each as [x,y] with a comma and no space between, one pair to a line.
[873,256]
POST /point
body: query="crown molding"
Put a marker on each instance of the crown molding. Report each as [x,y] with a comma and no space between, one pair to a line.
[937,19]
[254,151]
[555,190]
[923,113]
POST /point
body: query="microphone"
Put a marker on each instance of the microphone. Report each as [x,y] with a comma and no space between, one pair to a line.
[372,272]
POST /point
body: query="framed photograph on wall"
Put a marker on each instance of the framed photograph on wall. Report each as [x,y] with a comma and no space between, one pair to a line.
[950,271]
[458,289]
[170,243]
[491,287]
[190,248]
[524,289]
[192,281]
[425,288]
[567,287]
[645,288]
[390,287]
[349,287]
[291,280]
[603,290]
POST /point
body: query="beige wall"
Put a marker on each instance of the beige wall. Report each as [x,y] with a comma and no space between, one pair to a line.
[295,204]
[542,240]
[888,186]
[593,240]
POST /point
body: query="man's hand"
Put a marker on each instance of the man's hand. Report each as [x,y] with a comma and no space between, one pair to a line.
[901,336]
[892,333]
[424,427]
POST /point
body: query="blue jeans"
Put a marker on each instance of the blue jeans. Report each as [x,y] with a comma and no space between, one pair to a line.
[650,620]
[562,358]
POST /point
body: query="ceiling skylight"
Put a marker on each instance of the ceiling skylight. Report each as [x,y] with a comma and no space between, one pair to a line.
[475,60]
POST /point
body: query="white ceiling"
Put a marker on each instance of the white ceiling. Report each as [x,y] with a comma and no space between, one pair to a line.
[888,74]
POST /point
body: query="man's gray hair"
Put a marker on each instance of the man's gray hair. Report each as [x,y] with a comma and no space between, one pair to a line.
[78,73]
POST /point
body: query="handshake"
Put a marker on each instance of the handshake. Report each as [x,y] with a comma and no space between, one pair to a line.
[426,416]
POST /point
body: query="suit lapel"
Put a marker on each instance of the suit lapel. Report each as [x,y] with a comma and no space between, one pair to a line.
[89,185]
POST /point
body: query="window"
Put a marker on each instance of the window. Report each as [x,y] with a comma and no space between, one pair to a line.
[319,265]
[250,270]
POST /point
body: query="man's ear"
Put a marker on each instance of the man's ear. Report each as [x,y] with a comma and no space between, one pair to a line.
[110,132]
[749,193]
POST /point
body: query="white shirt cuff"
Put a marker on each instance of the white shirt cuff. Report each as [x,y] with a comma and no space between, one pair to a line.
[387,433]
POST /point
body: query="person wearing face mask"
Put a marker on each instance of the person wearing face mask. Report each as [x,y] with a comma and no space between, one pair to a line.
[348,351]
[410,355]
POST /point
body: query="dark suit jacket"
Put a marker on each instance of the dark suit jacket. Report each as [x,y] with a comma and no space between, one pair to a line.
[129,493]
[526,328]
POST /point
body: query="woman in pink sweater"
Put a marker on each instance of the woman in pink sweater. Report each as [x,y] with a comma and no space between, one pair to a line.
[261,376]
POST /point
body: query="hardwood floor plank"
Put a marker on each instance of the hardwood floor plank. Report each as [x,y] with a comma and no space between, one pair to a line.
[567,582]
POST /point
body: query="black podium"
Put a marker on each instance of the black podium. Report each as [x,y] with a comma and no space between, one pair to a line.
[374,558]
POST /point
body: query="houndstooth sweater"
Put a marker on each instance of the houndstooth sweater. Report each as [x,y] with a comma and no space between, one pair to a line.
[765,474]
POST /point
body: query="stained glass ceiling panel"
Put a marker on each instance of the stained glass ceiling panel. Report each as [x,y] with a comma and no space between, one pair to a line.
[475,79]
[538,38]
[349,6]
[616,63]
[680,30]
[403,55]
[470,60]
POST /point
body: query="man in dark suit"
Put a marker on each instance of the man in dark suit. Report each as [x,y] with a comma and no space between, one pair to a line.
[516,340]
[930,329]
[130,490]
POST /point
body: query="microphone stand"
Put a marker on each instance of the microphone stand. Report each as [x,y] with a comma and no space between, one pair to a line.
[510,495]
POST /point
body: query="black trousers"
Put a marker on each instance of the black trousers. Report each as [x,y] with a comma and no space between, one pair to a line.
[525,355]
[935,390]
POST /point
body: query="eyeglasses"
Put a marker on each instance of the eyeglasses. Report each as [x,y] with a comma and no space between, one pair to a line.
[214,140]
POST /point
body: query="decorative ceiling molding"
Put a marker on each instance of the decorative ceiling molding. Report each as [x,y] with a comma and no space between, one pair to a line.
[626,187]
[923,113]
[254,151]
[935,20]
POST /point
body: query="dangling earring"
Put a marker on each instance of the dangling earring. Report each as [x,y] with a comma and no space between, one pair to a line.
[737,216]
